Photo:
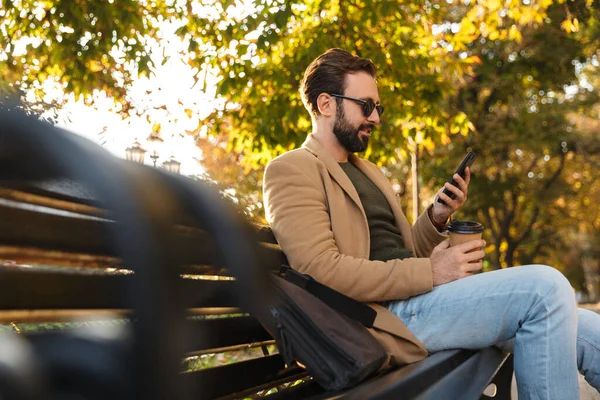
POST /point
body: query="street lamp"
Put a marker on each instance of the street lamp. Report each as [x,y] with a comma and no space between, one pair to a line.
[172,165]
[154,141]
[154,157]
[135,153]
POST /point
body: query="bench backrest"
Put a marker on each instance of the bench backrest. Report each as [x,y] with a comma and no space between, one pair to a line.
[59,271]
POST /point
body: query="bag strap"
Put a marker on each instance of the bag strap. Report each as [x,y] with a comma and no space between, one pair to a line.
[341,303]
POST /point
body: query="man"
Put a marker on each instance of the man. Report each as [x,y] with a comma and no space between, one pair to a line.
[337,219]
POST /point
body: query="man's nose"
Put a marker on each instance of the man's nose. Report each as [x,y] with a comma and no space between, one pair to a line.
[374,117]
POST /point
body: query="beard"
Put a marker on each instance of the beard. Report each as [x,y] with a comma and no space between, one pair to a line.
[348,135]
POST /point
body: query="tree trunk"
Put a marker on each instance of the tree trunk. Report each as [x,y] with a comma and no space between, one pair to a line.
[509,255]
[415,178]
[590,267]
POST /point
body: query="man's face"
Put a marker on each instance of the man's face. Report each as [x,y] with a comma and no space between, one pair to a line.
[349,134]
[351,127]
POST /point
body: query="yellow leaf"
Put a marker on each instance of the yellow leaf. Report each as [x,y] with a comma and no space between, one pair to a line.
[539,18]
[567,26]
[467,27]
[526,15]
[445,139]
[95,66]
[494,5]
[514,34]
[472,60]
[503,246]
[428,144]
[514,13]
[188,112]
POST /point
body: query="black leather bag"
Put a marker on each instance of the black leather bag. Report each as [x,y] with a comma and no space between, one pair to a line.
[338,351]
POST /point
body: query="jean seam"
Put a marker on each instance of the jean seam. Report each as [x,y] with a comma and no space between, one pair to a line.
[589,374]
[546,358]
[588,343]
[544,301]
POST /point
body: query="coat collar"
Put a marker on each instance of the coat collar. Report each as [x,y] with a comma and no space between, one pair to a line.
[337,173]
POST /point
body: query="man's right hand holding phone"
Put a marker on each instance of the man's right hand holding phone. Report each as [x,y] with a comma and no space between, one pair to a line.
[442,211]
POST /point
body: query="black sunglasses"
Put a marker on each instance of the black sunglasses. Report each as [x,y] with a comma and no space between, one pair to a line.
[367,105]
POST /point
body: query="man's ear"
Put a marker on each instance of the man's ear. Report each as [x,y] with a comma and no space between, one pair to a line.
[326,105]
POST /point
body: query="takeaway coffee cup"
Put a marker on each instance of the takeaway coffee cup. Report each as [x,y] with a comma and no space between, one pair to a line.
[464,231]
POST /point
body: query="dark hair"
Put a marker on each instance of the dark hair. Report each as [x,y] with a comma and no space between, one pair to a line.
[327,74]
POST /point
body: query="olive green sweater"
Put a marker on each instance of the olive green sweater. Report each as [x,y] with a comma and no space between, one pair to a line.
[386,240]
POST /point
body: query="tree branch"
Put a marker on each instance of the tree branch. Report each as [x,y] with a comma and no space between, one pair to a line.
[554,176]
[496,238]
[532,222]
[528,257]
[536,210]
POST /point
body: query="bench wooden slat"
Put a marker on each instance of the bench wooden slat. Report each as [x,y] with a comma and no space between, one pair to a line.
[225,332]
[71,196]
[207,335]
[36,256]
[66,231]
[304,391]
[57,230]
[59,189]
[24,288]
[69,315]
[235,378]
[56,202]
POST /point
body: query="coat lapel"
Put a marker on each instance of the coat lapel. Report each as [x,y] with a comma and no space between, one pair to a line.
[336,172]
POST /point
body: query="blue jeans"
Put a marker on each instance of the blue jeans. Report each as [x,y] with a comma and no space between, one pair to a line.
[529,311]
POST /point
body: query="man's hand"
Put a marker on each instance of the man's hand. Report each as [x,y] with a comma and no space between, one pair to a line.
[441,212]
[451,263]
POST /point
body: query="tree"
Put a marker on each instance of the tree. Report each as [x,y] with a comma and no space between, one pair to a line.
[525,185]
[419,47]
[56,47]
[261,56]
[241,185]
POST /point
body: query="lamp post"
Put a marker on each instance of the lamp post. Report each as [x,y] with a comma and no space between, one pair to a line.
[135,153]
[154,141]
[172,165]
[154,157]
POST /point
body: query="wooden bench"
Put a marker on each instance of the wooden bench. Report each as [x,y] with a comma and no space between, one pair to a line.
[98,304]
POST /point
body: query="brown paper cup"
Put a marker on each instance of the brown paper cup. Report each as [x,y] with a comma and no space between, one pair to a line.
[458,238]
[464,231]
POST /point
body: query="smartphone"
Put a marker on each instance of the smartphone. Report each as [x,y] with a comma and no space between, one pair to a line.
[466,162]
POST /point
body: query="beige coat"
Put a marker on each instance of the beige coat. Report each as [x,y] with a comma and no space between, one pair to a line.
[318,219]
